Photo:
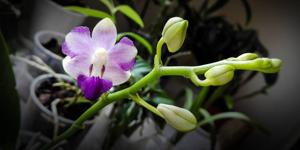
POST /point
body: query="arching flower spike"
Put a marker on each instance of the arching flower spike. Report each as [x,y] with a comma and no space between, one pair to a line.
[95,60]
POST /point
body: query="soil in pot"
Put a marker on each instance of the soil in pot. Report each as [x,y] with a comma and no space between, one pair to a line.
[54,46]
[39,116]
[47,93]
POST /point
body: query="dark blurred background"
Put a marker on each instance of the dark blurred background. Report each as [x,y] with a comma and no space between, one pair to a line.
[278,26]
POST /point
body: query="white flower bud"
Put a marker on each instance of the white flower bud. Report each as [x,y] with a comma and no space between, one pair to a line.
[179,118]
[219,75]
[174,33]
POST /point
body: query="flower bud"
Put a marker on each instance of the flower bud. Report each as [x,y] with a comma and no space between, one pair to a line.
[174,33]
[276,63]
[219,75]
[267,65]
[179,118]
[247,56]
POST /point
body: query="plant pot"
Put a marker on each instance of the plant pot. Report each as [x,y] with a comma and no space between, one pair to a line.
[144,137]
[47,15]
[38,118]
[232,133]
[97,133]
[33,141]
[155,141]
[54,39]
[23,79]
[196,139]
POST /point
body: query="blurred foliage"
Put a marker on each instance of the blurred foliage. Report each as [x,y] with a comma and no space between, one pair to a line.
[210,38]
[9,102]
[126,10]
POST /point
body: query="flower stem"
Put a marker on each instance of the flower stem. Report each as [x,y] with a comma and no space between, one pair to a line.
[136,98]
[190,72]
[102,102]
[199,101]
[157,59]
[216,94]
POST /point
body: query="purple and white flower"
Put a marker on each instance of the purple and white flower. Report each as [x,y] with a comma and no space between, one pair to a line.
[96,60]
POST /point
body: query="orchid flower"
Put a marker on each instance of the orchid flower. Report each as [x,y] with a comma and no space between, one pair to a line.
[96,60]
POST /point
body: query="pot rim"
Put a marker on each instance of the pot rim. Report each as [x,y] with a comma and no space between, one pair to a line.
[37,42]
[36,82]
[58,6]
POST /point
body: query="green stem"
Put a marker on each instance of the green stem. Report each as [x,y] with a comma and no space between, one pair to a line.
[199,101]
[157,59]
[158,71]
[216,94]
[140,101]
[78,124]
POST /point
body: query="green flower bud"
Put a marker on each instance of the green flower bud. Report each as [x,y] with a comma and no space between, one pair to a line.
[219,75]
[179,118]
[174,33]
[247,56]
[267,65]
[276,63]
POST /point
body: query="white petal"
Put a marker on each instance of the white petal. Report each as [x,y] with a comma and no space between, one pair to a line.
[123,52]
[76,65]
[78,42]
[115,73]
[104,34]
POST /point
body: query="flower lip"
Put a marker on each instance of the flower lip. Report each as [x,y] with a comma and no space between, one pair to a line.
[93,87]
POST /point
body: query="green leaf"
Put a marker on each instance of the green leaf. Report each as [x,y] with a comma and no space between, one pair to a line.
[199,100]
[229,101]
[206,116]
[89,12]
[247,10]
[270,79]
[141,67]
[225,115]
[203,6]
[130,13]
[208,119]
[164,100]
[188,98]
[216,6]
[9,102]
[137,37]
[108,4]
[216,95]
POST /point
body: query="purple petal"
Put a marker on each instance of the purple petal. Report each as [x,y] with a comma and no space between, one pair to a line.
[93,87]
[78,42]
[123,54]
[77,65]
[127,66]
[115,73]
[104,34]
